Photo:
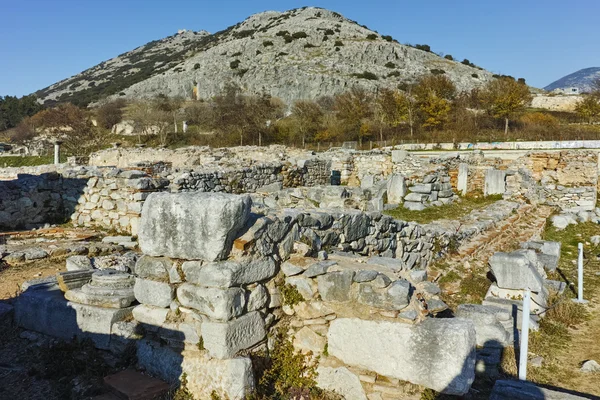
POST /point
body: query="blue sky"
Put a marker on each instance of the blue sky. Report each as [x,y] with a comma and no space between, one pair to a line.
[44,41]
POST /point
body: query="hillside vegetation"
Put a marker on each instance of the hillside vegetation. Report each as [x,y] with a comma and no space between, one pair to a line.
[298,54]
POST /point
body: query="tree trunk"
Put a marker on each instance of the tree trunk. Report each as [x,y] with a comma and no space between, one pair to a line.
[303,141]
[505,126]
[241,139]
[259,139]
[175,123]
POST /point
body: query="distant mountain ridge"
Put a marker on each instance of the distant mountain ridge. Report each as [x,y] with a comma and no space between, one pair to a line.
[298,54]
[582,80]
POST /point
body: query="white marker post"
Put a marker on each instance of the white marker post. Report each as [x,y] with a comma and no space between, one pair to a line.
[57,144]
[523,351]
[580,275]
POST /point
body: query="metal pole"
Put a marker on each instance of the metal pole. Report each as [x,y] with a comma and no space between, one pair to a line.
[524,336]
[580,275]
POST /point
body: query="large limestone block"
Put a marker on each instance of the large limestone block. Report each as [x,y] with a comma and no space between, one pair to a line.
[396,189]
[225,339]
[438,353]
[229,273]
[219,304]
[341,381]
[206,376]
[516,271]
[192,225]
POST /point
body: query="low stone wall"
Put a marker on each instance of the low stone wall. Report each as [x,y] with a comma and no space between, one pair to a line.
[113,199]
[254,178]
[34,200]
[567,179]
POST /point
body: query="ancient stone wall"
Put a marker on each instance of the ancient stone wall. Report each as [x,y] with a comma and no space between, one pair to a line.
[34,200]
[567,179]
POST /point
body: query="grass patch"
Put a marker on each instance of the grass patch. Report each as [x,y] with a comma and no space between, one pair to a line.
[455,210]
[28,161]
[570,237]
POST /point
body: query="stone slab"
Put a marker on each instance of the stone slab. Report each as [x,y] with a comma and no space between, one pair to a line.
[192,225]
[229,273]
[48,312]
[438,353]
[515,271]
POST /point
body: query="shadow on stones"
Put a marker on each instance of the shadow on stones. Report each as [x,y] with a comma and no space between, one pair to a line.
[79,346]
[30,201]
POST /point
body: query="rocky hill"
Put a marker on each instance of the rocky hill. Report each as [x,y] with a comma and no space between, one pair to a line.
[582,79]
[298,54]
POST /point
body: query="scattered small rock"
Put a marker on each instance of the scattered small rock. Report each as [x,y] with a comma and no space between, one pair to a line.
[590,366]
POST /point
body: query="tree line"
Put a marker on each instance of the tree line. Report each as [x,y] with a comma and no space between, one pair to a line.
[432,109]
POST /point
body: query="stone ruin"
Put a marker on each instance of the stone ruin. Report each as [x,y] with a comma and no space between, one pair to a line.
[206,292]
[208,289]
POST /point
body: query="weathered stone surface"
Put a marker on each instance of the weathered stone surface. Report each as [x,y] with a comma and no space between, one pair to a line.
[35,253]
[154,293]
[78,263]
[306,340]
[318,268]
[399,155]
[416,197]
[335,286]
[224,340]
[414,206]
[489,324]
[423,188]
[523,390]
[393,298]
[226,274]
[312,310]
[258,298]
[438,353]
[396,189]
[290,269]
[341,381]
[48,312]
[495,182]
[304,286]
[219,304]
[463,176]
[73,279]
[153,267]
[192,225]
[515,271]
[561,221]
[151,317]
[590,366]
[231,379]
[108,288]
[365,275]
